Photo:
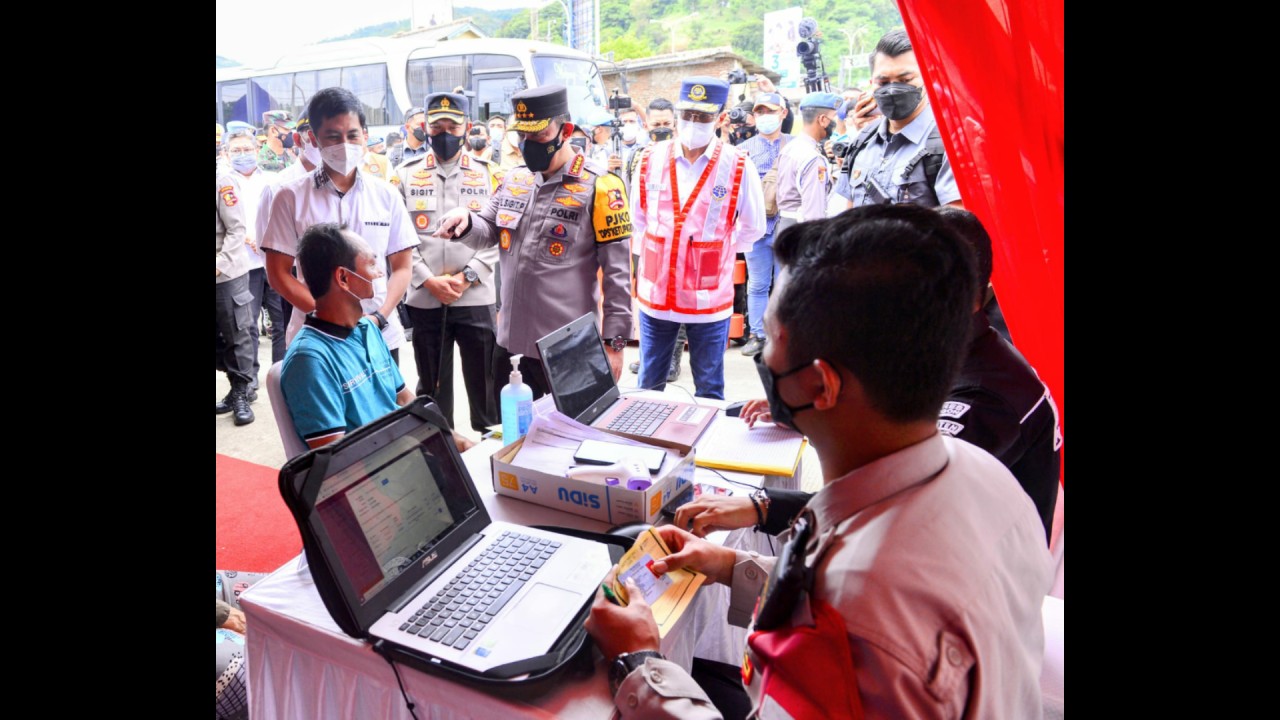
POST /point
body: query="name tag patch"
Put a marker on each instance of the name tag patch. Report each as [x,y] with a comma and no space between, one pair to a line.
[947,427]
[954,409]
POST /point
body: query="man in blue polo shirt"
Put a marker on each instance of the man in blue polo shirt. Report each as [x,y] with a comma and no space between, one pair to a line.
[338,373]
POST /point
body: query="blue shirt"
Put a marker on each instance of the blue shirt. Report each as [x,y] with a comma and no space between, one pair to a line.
[764,153]
[335,379]
[883,160]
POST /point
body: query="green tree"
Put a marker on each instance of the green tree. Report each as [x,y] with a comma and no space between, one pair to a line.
[626,47]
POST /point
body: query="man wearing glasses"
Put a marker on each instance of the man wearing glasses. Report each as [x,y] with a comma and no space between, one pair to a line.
[697,203]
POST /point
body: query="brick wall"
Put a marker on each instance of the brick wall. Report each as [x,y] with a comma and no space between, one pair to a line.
[645,84]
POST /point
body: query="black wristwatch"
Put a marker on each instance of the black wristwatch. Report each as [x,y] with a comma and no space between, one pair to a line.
[470,275]
[382,319]
[618,343]
[625,663]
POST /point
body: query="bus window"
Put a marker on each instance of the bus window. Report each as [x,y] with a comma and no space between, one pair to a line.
[439,74]
[495,62]
[273,92]
[232,104]
[579,76]
[493,95]
[369,83]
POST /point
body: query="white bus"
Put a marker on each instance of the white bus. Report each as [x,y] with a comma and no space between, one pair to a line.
[391,75]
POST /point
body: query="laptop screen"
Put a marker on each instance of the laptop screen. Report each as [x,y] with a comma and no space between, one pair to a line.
[387,510]
[576,367]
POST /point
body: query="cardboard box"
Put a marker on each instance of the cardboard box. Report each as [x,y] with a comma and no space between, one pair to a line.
[611,504]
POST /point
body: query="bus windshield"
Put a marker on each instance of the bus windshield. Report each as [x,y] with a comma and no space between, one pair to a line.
[580,76]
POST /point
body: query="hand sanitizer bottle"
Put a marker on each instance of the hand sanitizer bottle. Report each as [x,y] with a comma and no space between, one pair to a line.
[517,405]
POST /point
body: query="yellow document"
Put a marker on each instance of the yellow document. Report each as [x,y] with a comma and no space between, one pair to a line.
[668,595]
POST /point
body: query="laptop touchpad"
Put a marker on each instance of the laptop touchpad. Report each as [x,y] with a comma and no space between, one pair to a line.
[543,608]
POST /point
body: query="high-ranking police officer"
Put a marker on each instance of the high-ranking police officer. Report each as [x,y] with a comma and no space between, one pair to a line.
[451,294]
[557,220]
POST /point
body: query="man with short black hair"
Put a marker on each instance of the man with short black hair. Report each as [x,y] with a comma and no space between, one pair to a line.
[338,192]
[338,374]
[900,158]
[912,583]
[415,136]
[276,154]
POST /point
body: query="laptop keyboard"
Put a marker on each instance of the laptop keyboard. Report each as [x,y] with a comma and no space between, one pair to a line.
[465,607]
[642,417]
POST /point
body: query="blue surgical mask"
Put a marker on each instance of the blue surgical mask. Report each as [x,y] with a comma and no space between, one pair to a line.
[768,124]
[244,163]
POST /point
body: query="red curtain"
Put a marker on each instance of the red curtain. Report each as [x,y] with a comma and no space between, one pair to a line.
[994,73]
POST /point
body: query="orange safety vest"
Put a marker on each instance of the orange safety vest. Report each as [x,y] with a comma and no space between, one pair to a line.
[686,256]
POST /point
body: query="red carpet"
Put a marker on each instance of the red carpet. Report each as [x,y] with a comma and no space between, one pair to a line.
[255,531]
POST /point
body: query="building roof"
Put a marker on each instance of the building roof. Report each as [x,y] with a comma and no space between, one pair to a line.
[460,28]
[689,57]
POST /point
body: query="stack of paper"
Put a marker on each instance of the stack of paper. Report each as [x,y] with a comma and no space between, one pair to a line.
[766,449]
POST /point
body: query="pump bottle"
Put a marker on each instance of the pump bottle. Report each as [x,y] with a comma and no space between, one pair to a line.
[517,405]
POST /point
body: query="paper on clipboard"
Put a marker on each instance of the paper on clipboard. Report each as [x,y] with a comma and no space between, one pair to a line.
[765,449]
[668,595]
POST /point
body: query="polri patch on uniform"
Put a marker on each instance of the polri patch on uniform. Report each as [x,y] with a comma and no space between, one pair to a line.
[719,191]
[569,201]
[466,162]
[946,427]
[474,206]
[431,161]
[228,196]
[857,173]
[574,187]
[822,174]
[559,231]
[954,409]
[473,183]
[394,179]
[575,167]
[504,239]
[421,220]
[556,248]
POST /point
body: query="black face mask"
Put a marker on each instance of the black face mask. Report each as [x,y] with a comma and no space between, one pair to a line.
[477,143]
[831,128]
[662,133]
[537,155]
[286,139]
[420,135]
[783,414]
[898,100]
[445,145]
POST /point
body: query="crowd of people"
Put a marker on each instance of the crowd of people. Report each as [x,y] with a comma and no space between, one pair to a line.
[870,316]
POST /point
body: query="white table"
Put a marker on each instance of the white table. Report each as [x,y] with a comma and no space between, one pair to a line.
[301,665]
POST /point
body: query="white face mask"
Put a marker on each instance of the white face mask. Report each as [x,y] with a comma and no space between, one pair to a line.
[310,152]
[768,124]
[495,134]
[630,132]
[343,157]
[696,135]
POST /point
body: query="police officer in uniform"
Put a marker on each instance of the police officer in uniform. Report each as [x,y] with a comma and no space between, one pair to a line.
[233,317]
[451,294]
[557,220]
[804,180]
[900,158]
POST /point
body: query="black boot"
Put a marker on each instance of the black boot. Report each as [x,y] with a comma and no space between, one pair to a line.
[224,405]
[240,405]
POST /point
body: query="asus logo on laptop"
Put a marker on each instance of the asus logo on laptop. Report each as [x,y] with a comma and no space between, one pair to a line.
[429,559]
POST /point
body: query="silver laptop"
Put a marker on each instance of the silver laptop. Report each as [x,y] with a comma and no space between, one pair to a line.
[404,532]
[584,389]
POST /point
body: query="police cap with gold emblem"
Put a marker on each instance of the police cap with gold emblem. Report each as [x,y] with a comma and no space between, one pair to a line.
[703,94]
[534,108]
[446,105]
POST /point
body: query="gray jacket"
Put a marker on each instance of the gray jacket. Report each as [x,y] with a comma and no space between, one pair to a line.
[230,229]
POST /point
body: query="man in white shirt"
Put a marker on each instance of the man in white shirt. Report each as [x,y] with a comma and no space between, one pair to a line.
[338,192]
[687,232]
